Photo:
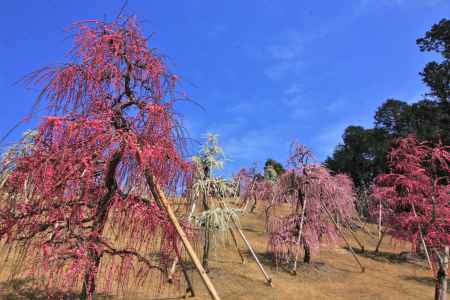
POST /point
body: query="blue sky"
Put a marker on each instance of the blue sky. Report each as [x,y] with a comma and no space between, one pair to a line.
[265,72]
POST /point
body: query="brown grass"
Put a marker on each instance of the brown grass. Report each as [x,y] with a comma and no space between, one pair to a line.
[333,275]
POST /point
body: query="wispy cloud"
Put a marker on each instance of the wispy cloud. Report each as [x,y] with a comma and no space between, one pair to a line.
[285,55]
[255,145]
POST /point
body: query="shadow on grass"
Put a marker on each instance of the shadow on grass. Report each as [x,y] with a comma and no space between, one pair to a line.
[251,229]
[22,289]
[389,257]
[264,257]
[267,260]
[429,281]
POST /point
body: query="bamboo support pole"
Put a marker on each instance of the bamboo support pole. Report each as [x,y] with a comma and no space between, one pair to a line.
[355,237]
[269,280]
[172,269]
[343,236]
[166,205]
[294,269]
[379,221]
[425,248]
[237,246]
[249,246]
[377,248]
[190,288]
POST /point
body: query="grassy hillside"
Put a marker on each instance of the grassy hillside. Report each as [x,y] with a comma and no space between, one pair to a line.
[333,275]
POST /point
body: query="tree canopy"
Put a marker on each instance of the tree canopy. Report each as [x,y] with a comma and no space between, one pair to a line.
[362,154]
[95,163]
[436,75]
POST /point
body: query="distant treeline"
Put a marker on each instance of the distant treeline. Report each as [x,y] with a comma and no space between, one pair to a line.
[362,155]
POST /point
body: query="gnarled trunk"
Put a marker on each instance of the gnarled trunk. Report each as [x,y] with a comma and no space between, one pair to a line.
[442,275]
[101,216]
[90,275]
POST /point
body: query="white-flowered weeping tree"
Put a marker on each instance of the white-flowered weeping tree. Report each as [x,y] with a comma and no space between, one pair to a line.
[211,208]
[208,197]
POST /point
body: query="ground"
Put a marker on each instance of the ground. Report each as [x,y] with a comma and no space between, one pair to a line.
[332,275]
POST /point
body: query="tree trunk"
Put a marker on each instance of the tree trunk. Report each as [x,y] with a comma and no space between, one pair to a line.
[101,216]
[88,290]
[307,257]
[254,204]
[206,242]
[206,246]
[441,278]
[377,248]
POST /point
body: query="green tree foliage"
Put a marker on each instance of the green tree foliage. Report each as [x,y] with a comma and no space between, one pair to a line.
[393,116]
[272,166]
[437,74]
[362,155]
[426,119]
[270,173]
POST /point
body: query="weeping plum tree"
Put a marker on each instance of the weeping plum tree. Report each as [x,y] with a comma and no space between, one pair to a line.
[314,199]
[96,162]
[216,218]
[414,200]
[253,187]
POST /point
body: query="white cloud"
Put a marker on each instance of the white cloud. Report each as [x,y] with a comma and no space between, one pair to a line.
[285,55]
[254,144]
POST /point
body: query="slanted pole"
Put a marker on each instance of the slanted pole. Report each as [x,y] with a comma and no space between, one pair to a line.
[425,248]
[343,236]
[190,288]
[348,226]
[175,261]
[172,269]
[247,243]
[269,280]
[190,250]
[379,241]
[294,269]
[237,246]
[355,237]
[365,230]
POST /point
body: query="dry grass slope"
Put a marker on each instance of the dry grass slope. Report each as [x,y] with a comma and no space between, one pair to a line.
[333,275]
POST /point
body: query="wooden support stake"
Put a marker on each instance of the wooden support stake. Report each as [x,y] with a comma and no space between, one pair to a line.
[294,269]
[342,235]
[427,254]
[366,231]
[379,241]
[172,269]
[190,288]
[269,280]
[379,221]
[237,246]
[166,205]
[355,237]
